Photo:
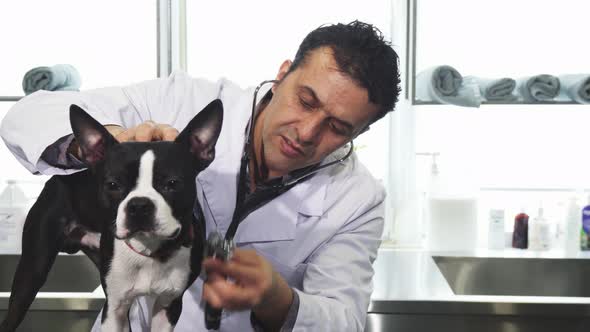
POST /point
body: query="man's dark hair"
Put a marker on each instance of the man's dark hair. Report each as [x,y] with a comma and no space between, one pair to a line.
[361,53]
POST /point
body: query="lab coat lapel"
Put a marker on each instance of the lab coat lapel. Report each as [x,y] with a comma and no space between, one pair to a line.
[277,220]
[218,183]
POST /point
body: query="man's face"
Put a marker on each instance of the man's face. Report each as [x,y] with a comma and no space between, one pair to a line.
[315,110]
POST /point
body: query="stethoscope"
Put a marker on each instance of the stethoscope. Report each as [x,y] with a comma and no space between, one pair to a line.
[287,180]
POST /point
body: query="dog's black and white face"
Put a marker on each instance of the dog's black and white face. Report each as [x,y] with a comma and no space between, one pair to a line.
[149,188]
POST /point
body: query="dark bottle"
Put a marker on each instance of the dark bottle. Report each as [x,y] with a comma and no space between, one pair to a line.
[520,235]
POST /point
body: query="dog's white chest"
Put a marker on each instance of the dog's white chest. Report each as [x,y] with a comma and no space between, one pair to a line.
[134,275]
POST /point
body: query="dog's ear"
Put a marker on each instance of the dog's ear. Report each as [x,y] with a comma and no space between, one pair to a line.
[201,133]
[90,135]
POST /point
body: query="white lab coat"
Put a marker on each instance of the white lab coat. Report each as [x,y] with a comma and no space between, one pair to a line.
[322,235]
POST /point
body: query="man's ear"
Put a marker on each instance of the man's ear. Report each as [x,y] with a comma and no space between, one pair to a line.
[91,136]
[283,70]
[201,133]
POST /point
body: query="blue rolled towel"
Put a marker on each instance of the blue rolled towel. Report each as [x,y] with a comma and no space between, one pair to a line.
[58,77]
[575,87]
[445,85]
[538,88]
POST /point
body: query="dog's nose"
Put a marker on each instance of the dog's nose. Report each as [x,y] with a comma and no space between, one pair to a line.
[176,233]
[140,207]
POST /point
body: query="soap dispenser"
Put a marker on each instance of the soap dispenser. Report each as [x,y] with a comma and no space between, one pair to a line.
[452,212]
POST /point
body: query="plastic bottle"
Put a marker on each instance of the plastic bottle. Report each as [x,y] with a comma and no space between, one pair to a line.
[539,232]
[520,234]
[585,229]
[13,202]
[496,229]
[573,224]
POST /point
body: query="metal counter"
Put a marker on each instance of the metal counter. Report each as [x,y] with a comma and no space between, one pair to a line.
[70,300]
[411,293]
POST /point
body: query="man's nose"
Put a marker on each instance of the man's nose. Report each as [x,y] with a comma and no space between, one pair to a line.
[310,129]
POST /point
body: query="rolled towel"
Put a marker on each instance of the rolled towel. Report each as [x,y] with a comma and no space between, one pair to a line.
[538,88]
[445,85]
[495,89]
[58,77]
[575,87]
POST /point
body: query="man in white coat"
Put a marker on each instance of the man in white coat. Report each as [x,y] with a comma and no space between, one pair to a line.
[304,248]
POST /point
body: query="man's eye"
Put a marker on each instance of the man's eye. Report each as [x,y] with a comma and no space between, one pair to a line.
[338,130]
[305,104]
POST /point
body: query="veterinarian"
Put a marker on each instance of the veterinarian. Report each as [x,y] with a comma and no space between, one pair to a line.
[307,234]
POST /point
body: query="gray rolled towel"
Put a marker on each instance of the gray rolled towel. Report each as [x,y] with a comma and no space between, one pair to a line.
[575,87]
[538,88]
[495,89]
[445,85]
[58,77]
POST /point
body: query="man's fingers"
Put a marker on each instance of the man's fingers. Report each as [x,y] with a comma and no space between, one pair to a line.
[164,132]
[211,296]
[157,134]
[145,132]
[246,256]
[239,272]
[148,131]
[242,273]
[168,132]
[226,294]
[126,136]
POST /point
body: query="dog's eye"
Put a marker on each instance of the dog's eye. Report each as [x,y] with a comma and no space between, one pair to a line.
[113,186]
[172,184]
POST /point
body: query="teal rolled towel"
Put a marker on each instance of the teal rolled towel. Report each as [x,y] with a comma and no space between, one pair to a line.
[538,88]
[58,77]
[575,87]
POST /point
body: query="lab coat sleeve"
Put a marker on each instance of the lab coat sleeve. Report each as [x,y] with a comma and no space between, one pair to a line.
[338,280]
[42,118]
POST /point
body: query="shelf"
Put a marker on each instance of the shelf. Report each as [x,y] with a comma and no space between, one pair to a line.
[10,98]
[431,103]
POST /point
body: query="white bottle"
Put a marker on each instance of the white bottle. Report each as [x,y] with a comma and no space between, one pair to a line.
[496,229]
[573,224]
[539,232]
[13,202]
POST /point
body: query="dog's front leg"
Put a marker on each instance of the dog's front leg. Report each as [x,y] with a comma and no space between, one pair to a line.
[115,314]
[166,314]
[41,240]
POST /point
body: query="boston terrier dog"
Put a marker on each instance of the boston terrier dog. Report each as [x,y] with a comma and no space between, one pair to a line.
[130,212]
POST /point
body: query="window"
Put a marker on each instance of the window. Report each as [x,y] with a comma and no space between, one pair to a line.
[531,150]
[109,42]
[508,145]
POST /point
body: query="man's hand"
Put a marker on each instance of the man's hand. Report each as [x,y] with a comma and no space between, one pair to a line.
[146,132]
[253,285]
